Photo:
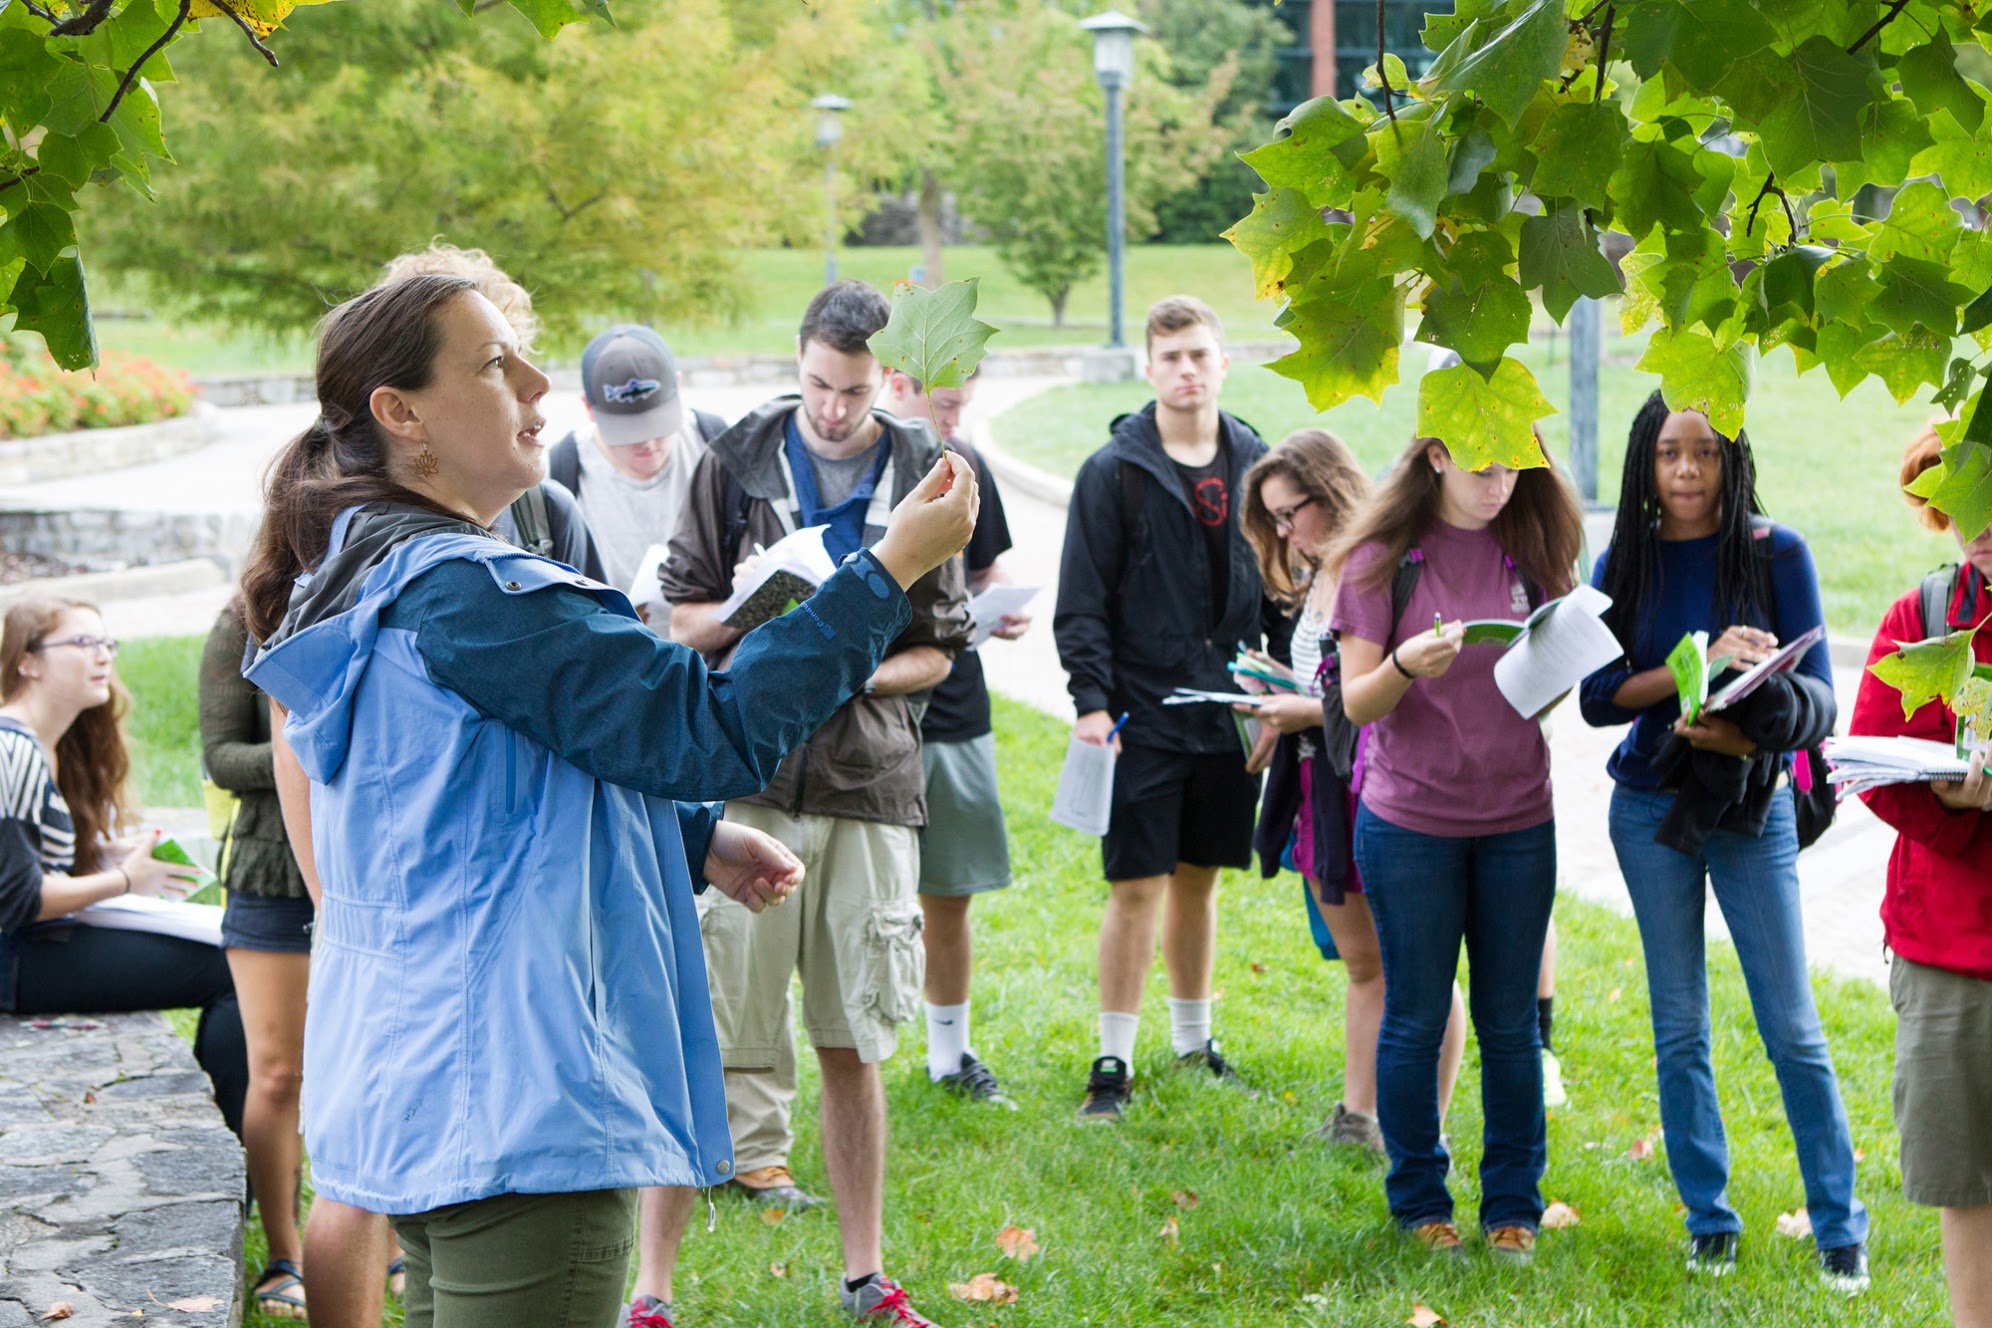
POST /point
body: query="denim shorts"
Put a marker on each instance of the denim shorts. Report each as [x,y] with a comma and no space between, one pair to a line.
[275,926]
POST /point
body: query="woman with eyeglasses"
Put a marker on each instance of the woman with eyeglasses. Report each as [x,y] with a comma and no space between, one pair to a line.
[65,818]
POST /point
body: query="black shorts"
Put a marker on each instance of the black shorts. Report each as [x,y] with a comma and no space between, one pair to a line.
[1172,807]
[275,926]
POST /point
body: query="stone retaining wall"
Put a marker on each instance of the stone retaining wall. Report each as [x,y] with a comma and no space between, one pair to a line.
[60,456]
[108,538]
[121,1192]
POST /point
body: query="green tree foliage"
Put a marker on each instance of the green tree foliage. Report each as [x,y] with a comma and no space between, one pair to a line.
[1027,151]
[614,171]
[1728,138]
[1200,36]
[79,107]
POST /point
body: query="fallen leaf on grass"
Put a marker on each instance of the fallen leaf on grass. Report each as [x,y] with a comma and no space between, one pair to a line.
[1560,1214]
[1860,1155]
[62,1309]
[89,1099]
[1424,1316]
[1186,1199]
[1642,1149]
[1258,967]
[1170,1232]
[773,1215]
[1797,1225]
[983,1286]
[195,1304]
[779,1269]
[1611,997]
[1017,1243]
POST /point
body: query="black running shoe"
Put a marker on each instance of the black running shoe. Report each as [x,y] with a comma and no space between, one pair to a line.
[1107,1092]
[975,1082]
[1712,1255]
[1845,1268]
[1209,1058]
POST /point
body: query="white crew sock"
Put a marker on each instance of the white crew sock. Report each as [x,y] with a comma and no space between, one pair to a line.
[947,1038]
[1117,1035]
[1189,1024]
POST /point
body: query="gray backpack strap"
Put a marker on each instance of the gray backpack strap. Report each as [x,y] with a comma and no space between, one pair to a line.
[1938,588]
[563,463]
[529,516]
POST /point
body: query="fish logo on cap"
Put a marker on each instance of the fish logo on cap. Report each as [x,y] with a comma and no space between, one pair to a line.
[636,389]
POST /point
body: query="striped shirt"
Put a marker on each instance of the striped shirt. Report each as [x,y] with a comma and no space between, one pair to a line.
[37,835]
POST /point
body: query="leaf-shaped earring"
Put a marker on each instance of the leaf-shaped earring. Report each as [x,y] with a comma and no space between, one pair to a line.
[426,464]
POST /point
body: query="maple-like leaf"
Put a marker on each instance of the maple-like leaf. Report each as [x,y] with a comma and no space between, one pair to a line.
[1170,1231]
[61,1309]
[1559,1215]
[984,1286]
[1796,1225]
[1641,1150]
[1484,421]
[933,335]
[195,1304]
[1017,1243]
[1926,671]
[1424,1316]
[1186,1199]
[1973,706]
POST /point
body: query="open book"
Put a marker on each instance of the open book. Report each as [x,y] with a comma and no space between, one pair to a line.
[1551,651]
[165,917]
[1693,670]
[1866,762]
[788,573]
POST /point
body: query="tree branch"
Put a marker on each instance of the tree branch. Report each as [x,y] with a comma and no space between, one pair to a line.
[131,75]
[247,31]
[85,23]
[39,12]
[1383,74]
[1771,186]
[1592,12]
[13,180]
[1604,51]
[1894,7]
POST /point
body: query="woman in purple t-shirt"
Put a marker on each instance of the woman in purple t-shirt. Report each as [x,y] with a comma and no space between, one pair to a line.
[1455,835]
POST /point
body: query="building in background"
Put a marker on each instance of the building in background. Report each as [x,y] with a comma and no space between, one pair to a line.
[1339,42]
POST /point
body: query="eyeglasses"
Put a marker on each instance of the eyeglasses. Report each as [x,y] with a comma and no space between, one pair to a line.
[1286,518]
[87,644]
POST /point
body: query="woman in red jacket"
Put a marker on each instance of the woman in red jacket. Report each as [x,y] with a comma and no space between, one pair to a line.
[1937,916]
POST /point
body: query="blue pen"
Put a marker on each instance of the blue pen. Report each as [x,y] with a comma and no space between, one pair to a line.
[1119,724]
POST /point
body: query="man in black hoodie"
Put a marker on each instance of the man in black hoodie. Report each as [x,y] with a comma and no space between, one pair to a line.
[1158,590]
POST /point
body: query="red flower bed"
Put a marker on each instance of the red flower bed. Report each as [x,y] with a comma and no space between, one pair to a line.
[37,398]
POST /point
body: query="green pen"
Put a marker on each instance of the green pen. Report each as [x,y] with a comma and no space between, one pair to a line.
[1438,624]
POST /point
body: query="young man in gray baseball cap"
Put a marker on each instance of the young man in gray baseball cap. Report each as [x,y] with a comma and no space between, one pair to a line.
[631,467]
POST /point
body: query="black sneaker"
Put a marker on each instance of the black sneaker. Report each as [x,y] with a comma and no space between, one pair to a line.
[1107,1092]
[1208,1057]
[1845,1268]
[975,1082]
[1712,1255]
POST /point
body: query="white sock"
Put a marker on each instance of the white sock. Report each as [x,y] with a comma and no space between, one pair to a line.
[1117,1035]
[1189,1024]
[947,1038]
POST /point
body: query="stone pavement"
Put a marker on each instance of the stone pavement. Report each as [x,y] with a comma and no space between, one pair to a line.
[120,1189]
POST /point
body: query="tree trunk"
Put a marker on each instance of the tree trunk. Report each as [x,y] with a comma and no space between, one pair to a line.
[1058,306]
[930,228]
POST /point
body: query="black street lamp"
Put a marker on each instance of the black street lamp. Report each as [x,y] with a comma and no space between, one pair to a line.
[1113,65]
[830,110]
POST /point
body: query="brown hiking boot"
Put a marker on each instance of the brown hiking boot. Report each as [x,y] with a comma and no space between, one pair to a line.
[1439,1238]
[1515,1245]
[772,1187]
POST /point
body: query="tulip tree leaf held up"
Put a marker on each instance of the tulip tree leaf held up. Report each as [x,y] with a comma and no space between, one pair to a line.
[933,335]
[1484,421]
[1926,671]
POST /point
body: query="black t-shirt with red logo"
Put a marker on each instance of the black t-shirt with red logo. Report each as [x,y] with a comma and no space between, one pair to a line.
[1209,492]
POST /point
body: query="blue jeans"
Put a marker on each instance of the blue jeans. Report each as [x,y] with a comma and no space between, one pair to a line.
[1756,886]
[1428,893]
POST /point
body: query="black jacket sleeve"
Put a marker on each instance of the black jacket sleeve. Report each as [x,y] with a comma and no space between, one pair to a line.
[20,874]
[1789,713]
[1089,576]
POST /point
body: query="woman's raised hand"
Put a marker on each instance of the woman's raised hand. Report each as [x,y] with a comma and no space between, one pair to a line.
[155,876]
[932,523]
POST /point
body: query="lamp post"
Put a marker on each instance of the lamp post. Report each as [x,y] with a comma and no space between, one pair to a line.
[830,109]
[1113,65]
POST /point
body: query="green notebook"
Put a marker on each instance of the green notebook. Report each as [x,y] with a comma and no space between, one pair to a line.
[207,886]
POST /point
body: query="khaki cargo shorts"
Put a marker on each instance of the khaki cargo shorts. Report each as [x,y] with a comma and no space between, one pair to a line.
[852,930]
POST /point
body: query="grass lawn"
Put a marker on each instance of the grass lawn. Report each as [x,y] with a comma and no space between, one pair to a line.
[784,281]
[1825,466]
[163,675]
[1266,1228]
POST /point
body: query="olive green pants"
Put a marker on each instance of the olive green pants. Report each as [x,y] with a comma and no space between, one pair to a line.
[519,1261]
